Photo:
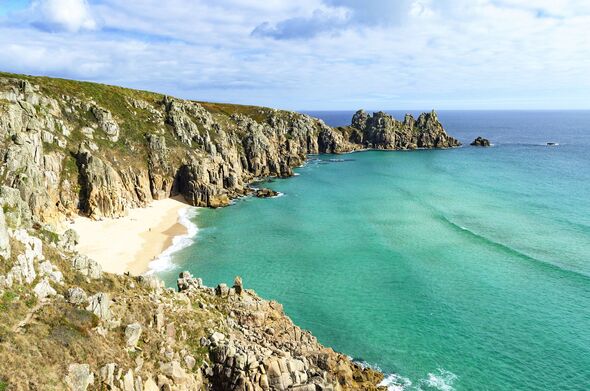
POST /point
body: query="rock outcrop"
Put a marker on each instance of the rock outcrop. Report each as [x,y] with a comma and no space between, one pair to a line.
[129,333]
[69,150]
[481,142]
[382,131]
[67,325]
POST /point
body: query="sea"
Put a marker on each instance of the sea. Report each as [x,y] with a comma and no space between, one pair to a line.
[457,269]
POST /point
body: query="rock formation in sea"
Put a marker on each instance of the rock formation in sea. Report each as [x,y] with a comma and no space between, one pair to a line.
[481,142]
[72,148]
[382,131]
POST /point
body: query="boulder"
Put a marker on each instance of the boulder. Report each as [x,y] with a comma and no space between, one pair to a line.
[216,338]
[266,193]
[99,304]
[151,281]
[222,290]
[185,281]
[86,266]
[76,296]
[132,335]
[174,371]
[190,362]
[481,142]
[238,286]
[106,375]
[128,383]
[150,385]
[47,269]
[68,240]
[43,289]
[79,377]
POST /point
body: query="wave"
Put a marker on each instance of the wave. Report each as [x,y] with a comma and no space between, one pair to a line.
[509,249]
[441,380]
[543,144]
[489,241]
[164,261]
[395,382]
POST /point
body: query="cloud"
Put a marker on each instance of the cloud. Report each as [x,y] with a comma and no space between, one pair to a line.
[62,15]
[302,27]
[319,54]
[337,15]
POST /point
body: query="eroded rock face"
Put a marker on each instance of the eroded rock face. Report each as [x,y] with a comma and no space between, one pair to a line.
[68,153]
[106,122]
[382,131]
[102,190]
[264,350]
[4,240]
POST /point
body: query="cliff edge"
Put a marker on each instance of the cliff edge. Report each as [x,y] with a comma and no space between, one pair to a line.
[71,148]
[74,147]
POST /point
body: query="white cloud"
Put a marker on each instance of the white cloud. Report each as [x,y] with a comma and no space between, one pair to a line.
[67,15]
[421,54]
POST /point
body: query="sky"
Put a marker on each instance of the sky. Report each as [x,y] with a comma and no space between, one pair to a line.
[314,54]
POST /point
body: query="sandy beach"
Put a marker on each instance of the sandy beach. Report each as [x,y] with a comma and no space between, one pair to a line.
[128,244]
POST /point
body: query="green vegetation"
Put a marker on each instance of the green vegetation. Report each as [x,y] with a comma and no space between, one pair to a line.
[134,122]
[6,300]
[258,114]
[50,236]
[3,385]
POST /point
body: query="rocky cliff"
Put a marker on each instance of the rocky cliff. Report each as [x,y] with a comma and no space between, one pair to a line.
[66,325]
[72,147]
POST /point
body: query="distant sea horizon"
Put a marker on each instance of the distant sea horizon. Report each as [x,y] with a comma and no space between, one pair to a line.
[458,269]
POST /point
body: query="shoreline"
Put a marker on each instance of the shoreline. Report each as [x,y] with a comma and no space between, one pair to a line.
[133,242]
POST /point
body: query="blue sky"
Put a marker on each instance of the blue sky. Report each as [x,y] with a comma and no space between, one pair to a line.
[314,54]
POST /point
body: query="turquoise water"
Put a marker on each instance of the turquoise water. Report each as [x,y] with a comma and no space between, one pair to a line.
[464,269]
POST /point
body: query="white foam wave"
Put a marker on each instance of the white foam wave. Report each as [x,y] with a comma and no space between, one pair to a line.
[395,382]
[441,380]
[164,261]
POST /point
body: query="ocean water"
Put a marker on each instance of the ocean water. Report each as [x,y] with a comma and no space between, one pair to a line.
[463,269]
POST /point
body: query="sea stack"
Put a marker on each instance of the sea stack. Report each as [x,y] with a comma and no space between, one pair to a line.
[481,142]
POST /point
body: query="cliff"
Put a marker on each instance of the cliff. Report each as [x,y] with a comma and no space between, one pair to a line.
[71,147]
[66,325]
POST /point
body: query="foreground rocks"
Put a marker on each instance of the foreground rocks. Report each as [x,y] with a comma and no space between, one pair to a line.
[481,142]
[66,325]
[130,333]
